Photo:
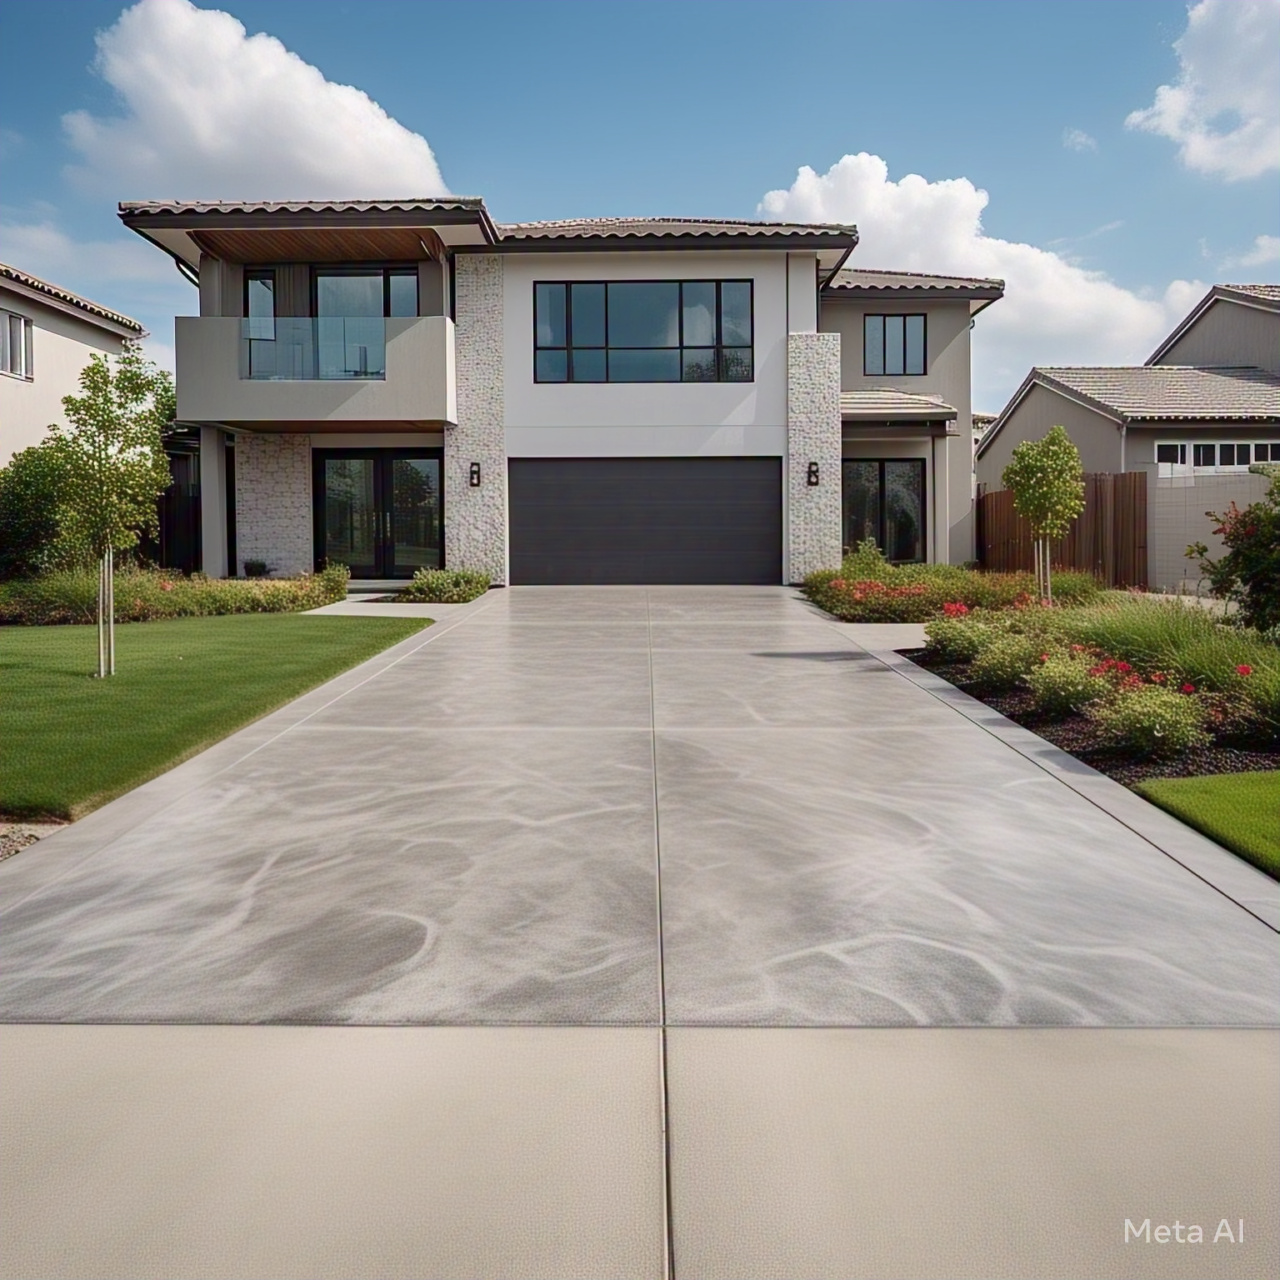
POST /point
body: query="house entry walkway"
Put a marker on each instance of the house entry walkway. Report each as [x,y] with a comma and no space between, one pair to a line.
[634,931]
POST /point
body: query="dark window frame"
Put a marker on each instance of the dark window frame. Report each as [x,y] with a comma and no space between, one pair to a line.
[922,463]
[388,269]
[904,316]
[251,274]
[720,347]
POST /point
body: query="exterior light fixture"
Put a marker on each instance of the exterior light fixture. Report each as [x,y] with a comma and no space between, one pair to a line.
[475,475]
[812,477]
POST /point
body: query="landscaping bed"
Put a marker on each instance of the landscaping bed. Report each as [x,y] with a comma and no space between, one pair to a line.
[70,742]
[1085,739]
[70,596]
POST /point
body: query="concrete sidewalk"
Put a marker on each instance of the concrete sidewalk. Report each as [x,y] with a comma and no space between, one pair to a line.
[683,928]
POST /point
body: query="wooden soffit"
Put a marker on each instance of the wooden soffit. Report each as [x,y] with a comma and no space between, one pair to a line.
[328,244]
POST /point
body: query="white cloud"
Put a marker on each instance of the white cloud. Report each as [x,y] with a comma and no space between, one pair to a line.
[1053,312]
[48,252]
[1266,249]
[1078,140]
[1224,111]
[211,112]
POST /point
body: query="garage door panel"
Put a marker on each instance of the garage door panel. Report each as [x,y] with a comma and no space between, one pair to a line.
[645,520]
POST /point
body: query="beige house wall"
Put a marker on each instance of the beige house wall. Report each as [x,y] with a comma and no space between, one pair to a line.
[1096,436]
[61,347]
[1232,334]
[948,377]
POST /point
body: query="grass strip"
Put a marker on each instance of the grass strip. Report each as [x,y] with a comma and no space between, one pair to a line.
[70,742]
[1241,811]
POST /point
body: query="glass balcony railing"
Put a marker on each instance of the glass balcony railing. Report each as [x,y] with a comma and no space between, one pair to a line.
[310,349]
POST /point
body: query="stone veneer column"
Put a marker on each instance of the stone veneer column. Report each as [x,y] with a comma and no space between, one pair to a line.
[475,519]
[273,503]
[813,435]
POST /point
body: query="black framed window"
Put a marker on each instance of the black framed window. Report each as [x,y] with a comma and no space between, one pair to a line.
[260,302]
[893,346]
[365,291]
[884,499]
[644,331]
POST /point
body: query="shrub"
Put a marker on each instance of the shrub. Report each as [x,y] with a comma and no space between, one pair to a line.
[1065,682]
[1250,571]
[144,595]
[1152,721]
[445,586]
[955,639]
[1003,661]
[867,588]
[31,497]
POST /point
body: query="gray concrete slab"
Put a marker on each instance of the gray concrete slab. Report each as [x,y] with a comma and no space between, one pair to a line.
[909,1155]
[470,829]
[302,1152]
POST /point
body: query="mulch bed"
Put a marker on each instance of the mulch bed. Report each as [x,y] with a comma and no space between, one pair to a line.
[1081,738]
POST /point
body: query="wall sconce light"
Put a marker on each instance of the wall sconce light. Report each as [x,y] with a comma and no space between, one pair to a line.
[475,475]
[811,478]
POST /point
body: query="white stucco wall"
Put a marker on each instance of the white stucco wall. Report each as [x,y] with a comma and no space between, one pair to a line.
[61,347]
[545,420]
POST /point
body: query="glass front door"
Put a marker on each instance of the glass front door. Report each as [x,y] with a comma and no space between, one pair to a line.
[884,500]
[378,511]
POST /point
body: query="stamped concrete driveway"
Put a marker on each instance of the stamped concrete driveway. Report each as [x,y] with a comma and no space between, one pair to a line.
[598,908]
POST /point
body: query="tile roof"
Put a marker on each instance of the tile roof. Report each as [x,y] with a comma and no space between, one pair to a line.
[601,228]
[884,403]
[409,204]
[857,278]
[1172,391]
[1256,292]
[69,299]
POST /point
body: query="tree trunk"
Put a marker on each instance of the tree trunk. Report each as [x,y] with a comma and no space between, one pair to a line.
[1048,575]
[102,614]
[111,610]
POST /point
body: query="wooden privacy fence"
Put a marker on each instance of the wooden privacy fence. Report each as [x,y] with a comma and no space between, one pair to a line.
[1108,538]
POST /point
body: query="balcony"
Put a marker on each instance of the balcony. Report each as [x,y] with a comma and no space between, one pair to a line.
[262,373]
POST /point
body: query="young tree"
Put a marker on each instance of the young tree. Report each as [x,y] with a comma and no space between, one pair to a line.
[114,467]
[1047,480]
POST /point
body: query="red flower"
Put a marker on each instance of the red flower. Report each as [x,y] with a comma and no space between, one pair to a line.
[1244,669]
[1044,657]
[1123,666]
[955,609]
[1158,677]
[1188,688]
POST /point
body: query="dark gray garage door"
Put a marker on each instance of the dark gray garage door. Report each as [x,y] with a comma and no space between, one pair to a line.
[645,520]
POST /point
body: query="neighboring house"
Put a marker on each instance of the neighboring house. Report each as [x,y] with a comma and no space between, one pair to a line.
[47,335]
[408,383]
[1203,408]
[982,423]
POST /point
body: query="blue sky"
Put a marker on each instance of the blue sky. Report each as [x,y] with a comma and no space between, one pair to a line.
[1107,225]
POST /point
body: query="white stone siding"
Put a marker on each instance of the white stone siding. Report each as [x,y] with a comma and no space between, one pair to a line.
[273,503]
[476,518]
[813,435]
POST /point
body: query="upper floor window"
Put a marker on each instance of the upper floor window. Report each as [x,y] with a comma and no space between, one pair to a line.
[644,331]
[366,291]
[15,345]
[893,345]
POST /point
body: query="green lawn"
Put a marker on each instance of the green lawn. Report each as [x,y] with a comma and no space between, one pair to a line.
[70,742]
[1238,810]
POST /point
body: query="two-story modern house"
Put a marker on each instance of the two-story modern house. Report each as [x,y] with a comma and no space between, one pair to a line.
[408,383]
[1202,409]
[47,335]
